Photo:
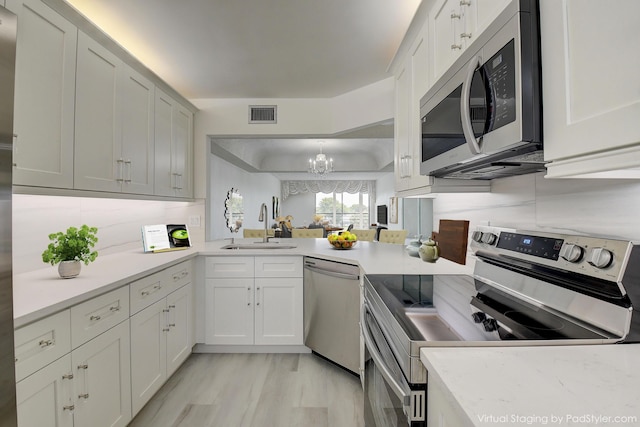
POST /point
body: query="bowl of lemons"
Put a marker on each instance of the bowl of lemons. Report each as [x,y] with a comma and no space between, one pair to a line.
[344,240]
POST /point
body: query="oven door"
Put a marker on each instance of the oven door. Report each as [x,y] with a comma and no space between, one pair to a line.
[389,400]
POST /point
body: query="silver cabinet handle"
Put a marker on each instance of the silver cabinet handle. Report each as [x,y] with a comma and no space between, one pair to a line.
[94,318]
[465,35]
[45,343]
[456,46]
[127,164]
[119,170]
[68,408]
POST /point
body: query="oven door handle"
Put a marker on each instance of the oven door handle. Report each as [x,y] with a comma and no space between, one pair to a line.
[403,392]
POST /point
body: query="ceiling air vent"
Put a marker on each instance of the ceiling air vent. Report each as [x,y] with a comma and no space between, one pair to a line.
[263,113]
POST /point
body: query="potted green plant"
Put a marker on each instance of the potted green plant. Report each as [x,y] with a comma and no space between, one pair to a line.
[70,249]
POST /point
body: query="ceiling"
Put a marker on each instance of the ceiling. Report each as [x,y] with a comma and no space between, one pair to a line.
[264,49]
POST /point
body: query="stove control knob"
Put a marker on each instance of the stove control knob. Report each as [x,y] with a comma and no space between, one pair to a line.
[600,257]
[490,325]
[478,317]
[571,252]
[477,236]
[489,238]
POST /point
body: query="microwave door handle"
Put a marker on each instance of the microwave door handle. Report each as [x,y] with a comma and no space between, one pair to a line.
[465,107]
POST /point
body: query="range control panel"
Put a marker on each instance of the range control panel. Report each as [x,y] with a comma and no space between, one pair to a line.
[542,247]
[593,256]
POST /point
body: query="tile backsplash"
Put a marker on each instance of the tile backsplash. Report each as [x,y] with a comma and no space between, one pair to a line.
[118,222]
[531,202]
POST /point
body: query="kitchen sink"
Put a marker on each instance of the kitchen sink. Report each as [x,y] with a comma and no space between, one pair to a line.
[258,245]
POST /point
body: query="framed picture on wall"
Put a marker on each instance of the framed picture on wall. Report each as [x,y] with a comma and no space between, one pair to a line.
[393,210]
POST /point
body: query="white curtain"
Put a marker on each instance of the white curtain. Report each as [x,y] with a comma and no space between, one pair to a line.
[322,186]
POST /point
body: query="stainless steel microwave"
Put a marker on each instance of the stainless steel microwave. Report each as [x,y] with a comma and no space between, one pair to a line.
[483,118]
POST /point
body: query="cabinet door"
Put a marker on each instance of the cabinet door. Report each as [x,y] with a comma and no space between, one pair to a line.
[591,88]
[401,130]
[419,63]
[148,356]
[278,311]
[137,133]
[102,379]
[163,178]
[445,24]
[98,132]
[44,399]
[229,311]
[182,149]
[179,325]
[44,96]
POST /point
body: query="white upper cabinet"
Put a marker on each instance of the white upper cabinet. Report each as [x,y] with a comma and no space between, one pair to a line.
[98,145]
[44,96]
[114,123]
[591,89]
[455,24]
[411,83]
[85,114]
[173,147]
[137,133]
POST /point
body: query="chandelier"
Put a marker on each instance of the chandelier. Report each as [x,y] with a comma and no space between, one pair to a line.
[320,165]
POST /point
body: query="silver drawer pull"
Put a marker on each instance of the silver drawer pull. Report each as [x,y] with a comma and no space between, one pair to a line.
[83,396]
[67,377]
[45,343]
[172,306]
[94,318]
[172,325]
[114,308]
[85,366]
[165,310]
[165,330]
[69,408]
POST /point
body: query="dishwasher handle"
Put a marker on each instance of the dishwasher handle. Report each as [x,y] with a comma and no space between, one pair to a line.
[332,273]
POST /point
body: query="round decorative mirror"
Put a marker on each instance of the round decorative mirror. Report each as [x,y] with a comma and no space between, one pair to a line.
[233,210]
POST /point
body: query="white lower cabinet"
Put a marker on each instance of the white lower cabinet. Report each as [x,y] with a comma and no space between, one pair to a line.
[254,301]
[88,387]
[89,365]
[160,342]
[45,399]
[278,311]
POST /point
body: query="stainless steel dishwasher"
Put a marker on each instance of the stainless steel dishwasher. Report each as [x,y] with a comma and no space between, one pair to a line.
[332,310]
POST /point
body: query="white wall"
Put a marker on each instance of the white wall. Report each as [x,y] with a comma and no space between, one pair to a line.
[255,188]
[314,117]
[531,202]
[118,221]
[384,191]
[301,206]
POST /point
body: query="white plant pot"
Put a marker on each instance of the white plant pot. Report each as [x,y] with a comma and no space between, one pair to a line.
[69,269]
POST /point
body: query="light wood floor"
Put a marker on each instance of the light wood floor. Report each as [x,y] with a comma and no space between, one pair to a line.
[265,390]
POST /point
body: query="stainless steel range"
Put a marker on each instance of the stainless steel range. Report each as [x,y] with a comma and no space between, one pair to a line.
[528,288]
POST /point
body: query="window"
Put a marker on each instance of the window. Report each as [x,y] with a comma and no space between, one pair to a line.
[344,209]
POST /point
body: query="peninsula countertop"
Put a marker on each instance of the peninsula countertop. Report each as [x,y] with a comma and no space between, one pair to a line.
[40,293]
[541,385]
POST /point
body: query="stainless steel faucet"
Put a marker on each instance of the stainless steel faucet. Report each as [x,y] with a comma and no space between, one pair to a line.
[263,218]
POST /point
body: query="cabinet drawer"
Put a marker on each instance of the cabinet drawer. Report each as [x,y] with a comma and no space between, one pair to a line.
[178,275]
[278,266]
[93,317]
[42,342]
[147,291]
[230,266]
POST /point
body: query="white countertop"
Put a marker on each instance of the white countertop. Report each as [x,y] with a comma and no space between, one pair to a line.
[41,293]
[543,385]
